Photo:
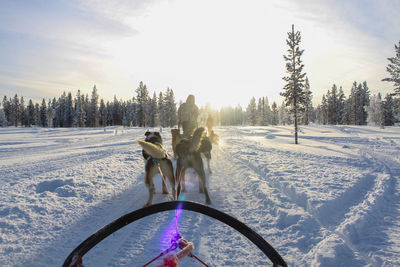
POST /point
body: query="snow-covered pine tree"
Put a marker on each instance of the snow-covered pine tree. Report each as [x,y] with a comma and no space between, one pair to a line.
[79,114]
[69,111]
[3,120]
[161,110]
[275,114]
[60,110]
[37,114]
[93,115]
[31,113]
[374,110]
[393,69]
[43,119]
[284,117]
[7,109]
[387,111]
[293,90]
[332,105]
[308,107]
[152,111]
[23,112]
[116,112]
[341,99]
[102,114]
[50,114]
[260,112]
[15,107]
[132,112]
[54,108]
[170,108]
[252,112]
[142,98]
[364,102]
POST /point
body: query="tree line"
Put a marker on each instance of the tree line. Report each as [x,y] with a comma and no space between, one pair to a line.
[358,108]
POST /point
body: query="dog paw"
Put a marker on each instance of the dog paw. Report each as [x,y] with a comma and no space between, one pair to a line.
[165,192]
[208,202]
[146,205]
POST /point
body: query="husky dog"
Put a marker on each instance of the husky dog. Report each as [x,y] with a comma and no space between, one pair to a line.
[176,138]
[156,159]
[205,147]
[188,156]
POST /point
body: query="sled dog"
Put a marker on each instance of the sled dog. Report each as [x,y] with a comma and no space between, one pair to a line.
[205,147]
[156,159]
[188,156]
[176,138]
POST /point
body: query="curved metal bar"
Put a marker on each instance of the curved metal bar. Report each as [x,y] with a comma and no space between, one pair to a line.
[112,227]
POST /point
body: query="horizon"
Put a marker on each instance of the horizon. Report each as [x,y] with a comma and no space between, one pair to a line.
[236,53]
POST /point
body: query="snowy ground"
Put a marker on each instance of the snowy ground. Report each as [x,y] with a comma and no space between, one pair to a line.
[332,200]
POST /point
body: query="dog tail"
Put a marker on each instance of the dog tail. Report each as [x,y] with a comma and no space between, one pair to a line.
[152,149]
[196,139]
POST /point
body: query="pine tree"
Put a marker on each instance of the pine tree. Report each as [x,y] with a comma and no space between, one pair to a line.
[110,116]
[3,120]
[284,117]
[7,109]
[116,112]
[152,111]
[260,112]
[79,113]
[43,119]
[252,112]
[170,110]
[31,113]
[102,114]
[23,112]
[387,111]
[142,98]
[275,114]
[394,70]
[341,100]
[15,108]
[37,114]
[374,110]
[308,107]
[93,115]
[294,94]
[50,114]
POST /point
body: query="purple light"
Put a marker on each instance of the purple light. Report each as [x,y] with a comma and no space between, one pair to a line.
[171,233]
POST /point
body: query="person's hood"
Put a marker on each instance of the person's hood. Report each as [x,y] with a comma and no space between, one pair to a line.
[190,99]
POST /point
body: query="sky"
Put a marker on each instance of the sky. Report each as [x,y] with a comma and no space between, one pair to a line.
[222,51]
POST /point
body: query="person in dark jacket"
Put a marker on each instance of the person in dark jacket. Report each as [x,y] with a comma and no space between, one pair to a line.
[187,116]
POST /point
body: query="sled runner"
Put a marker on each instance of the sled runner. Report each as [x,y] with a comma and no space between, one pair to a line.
[184,247]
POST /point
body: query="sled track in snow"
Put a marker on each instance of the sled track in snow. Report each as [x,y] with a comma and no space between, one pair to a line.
[349,222]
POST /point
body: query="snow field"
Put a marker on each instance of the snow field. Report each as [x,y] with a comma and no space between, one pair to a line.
[331,200]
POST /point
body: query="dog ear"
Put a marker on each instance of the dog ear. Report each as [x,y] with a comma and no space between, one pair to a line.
[147,133]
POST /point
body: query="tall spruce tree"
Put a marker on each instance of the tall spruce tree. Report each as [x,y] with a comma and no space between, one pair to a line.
[387,111]
[374,110]
[394,70]
[93,115]
[293,93]
[275,114]
[102,114]
[43,119]
[252,112]
[308,107]
[142,98]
